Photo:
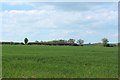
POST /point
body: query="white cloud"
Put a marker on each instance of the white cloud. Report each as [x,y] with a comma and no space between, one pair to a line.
[115,35]
[58,17]
[59,1]
[16,2]
[60,23]
[51,19]
[90,32]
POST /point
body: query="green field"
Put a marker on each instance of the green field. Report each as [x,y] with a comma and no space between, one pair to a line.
[23,61]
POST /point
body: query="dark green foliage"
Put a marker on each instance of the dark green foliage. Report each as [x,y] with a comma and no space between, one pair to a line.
[52,43]
[25,40]
[22,43]
[111,45]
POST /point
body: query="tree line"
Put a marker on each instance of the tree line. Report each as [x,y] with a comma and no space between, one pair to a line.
[56,42]
[70,42]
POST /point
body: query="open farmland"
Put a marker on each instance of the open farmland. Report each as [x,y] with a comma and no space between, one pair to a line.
[59,61]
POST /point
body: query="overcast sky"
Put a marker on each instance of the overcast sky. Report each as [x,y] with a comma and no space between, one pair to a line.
[59,20]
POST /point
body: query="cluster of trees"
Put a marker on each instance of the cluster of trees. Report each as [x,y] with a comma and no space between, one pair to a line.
[56,42]
[67,42]
[106,44]
[12,43]
[70,42]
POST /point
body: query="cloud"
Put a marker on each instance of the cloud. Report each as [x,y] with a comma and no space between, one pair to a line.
[65,6]
[74,6]
[55,19]
[59,1]
[115,35]
[12,3]
[57,22]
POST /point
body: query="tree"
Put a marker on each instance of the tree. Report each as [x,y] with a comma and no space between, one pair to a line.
[25,40]
[36,41]
[105,42]
[62,41]
[80,42]
[71,41]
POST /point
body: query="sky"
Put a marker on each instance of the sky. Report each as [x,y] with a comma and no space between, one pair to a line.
[44,21]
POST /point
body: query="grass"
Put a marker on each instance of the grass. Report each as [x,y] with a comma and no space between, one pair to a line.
[24,61]
[0,61]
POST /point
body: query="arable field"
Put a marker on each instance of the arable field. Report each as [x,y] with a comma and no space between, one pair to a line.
[30,61]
